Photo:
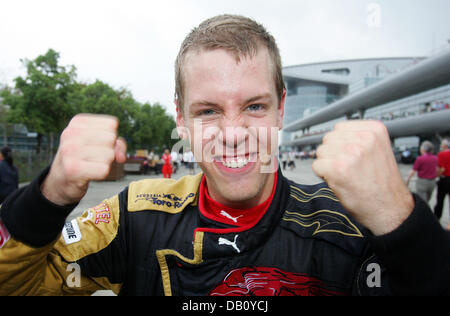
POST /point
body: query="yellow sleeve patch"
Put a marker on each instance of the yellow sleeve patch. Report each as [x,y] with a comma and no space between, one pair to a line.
[91,232]
[166,195]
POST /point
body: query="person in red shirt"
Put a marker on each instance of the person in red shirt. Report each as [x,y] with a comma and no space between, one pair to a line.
[444,173]
[167,167]
[426,167]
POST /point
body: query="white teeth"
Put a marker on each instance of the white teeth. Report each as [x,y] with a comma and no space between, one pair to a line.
[235,164]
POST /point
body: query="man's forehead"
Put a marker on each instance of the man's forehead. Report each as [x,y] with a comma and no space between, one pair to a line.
[211,54]
[216,73]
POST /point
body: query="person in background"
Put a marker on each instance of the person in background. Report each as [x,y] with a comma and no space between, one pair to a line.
[426,167]
[9,176]
[444,174]
[284,159]
[167,167]
[291,159]
[188,157]
[174,155]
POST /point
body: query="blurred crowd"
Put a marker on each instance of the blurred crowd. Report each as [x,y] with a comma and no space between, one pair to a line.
[432,171]
[167,163]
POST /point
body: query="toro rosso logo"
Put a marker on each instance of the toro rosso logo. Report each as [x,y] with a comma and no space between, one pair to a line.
[266,281]
[169,200]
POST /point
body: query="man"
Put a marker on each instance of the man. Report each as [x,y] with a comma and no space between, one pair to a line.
[175,158]
[426,166]
[240,228]
[444,173]
[188,158]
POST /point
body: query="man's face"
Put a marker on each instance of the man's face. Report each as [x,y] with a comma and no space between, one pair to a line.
[233,115]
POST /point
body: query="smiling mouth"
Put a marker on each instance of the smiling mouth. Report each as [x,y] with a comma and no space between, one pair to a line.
[236,162]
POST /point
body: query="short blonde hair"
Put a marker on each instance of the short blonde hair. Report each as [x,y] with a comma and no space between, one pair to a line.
[237,34]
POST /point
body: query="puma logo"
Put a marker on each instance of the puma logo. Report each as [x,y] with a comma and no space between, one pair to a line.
[223,241]
[234,219]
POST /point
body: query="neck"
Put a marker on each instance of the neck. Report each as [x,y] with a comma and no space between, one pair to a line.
[265,193]
[235,214]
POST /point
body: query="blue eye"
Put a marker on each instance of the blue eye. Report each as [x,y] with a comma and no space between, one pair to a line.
[255,107]
[207,112]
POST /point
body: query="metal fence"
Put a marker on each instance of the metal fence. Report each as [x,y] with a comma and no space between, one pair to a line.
[30,164]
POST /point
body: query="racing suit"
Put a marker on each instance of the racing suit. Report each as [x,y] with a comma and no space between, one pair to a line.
[151,239]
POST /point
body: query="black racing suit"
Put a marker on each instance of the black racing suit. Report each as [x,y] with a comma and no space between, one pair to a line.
[151,239]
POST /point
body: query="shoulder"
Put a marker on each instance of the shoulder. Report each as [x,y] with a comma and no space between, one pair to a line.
[307,193]
[315,212]
[90,233]
[98,227]
[166,195]
[6,168]
[418,162]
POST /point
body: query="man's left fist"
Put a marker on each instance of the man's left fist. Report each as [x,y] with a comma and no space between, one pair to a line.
[357,162]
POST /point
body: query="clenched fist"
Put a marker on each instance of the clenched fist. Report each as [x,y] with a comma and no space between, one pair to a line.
[88,147]
[357,162]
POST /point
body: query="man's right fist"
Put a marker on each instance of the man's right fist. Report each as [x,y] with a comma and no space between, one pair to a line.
[88,147]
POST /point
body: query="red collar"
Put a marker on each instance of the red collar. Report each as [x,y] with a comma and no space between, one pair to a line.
[241,219]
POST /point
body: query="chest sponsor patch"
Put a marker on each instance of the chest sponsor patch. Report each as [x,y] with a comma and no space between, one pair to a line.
[71,232]
[102,213]
[169,200]
[4,234]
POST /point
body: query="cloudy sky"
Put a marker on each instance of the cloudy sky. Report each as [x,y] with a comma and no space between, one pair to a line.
[134,43]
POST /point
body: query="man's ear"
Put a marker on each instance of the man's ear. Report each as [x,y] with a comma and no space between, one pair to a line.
[281,109]
[181,129]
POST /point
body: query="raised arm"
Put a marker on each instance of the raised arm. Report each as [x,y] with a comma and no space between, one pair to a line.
[34,258]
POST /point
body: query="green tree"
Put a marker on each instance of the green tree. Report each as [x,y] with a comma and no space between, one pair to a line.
[163,124]
[152,128]
[49,96]
[39,100]
[142,135]
[5,126]
[100,98]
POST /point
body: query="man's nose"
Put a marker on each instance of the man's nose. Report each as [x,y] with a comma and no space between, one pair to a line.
[234,131]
